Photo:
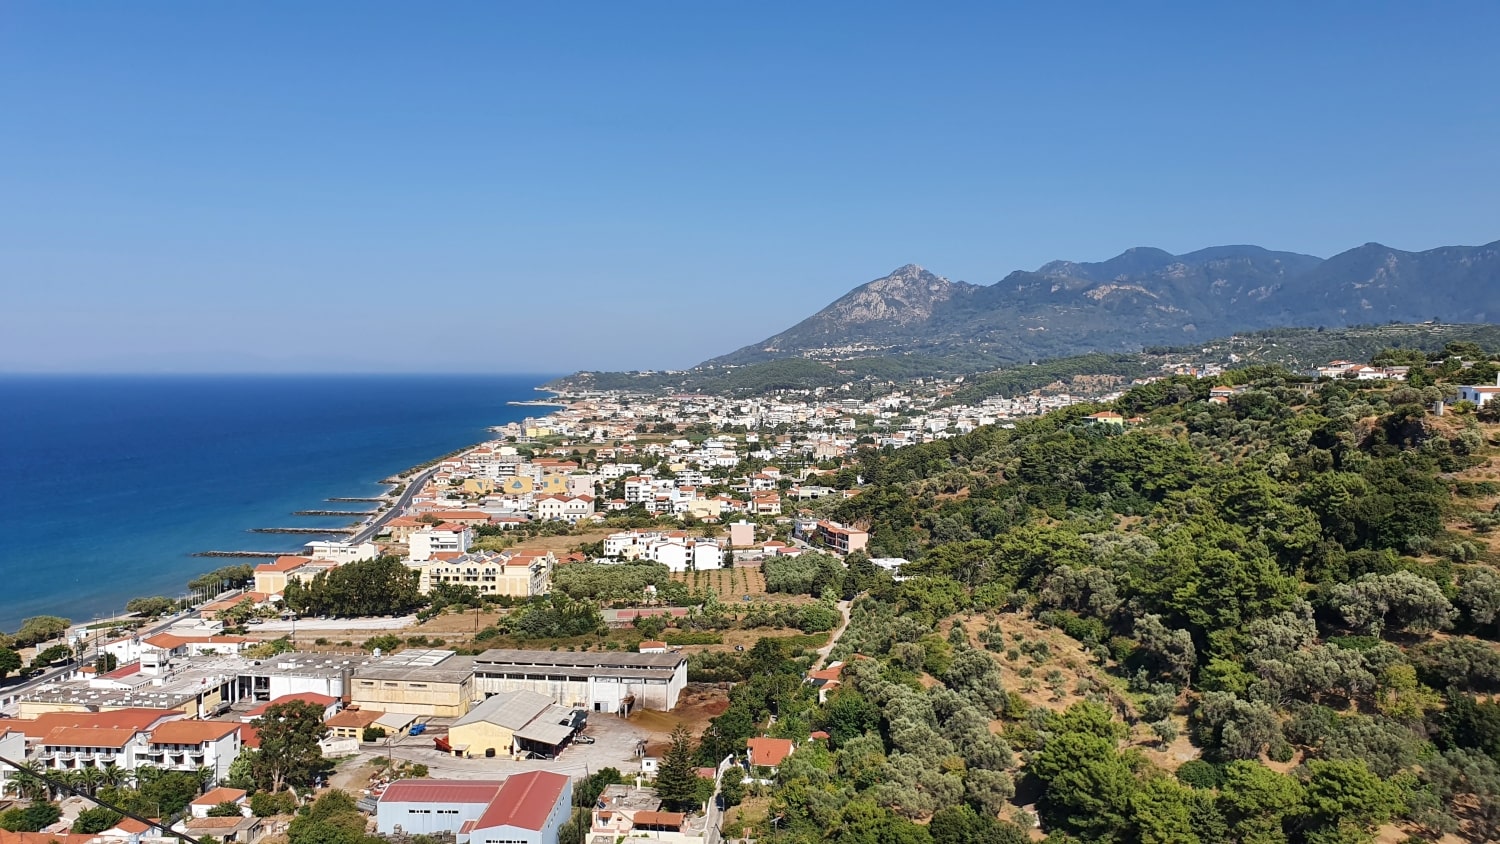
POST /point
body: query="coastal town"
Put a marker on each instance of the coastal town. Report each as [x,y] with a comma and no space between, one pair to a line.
[668,522]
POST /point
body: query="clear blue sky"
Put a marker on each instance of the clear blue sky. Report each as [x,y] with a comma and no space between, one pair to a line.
[548,186]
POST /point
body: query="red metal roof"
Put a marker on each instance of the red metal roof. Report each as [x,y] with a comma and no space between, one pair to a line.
[306,697]
[524,801]
[441,791]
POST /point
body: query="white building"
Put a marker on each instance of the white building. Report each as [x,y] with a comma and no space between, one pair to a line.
[12,746]
[565,508]
[341,552]
[428,807]
[529,809]
[187,745]
[445,538]
[598,682]
[1479,395]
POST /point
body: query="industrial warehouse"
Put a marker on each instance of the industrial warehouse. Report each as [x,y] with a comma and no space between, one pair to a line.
[616,683]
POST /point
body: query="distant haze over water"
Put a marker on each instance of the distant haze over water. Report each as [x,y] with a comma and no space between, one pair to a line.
[109,483]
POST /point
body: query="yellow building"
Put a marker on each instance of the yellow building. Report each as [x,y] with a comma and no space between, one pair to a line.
[519,573]
[552,485]
[518,485]
[477,486]
[705,508]
[490,728]
[428,683]
[270,578]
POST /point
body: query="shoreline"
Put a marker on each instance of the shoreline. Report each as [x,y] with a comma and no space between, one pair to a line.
[395,483]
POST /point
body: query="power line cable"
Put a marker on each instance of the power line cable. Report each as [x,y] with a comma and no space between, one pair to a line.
[62,786]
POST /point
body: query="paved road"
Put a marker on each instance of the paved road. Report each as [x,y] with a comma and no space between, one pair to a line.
[10,695]
[413,486]
[827,649]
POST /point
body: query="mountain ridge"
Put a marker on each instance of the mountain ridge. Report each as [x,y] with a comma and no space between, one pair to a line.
[1143,296]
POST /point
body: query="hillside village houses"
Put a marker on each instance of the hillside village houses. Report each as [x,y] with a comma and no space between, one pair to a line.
[676,549]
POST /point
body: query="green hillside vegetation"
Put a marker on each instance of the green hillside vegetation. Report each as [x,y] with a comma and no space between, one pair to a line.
[1299,348]
[1024,379]
[990,373]
[1296,591]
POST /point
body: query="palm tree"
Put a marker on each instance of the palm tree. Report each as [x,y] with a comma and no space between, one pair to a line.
[147,774]
[206,777]
[25,784]
[114,776]
[89,779]
[69,781]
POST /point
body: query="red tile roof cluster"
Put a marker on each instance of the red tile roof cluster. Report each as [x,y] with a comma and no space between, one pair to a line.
[306,697]
[192,732]
[284,563]
[220,795]
[89,737]
[769,752]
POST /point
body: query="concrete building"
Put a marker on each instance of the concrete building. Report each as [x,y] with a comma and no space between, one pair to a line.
[530,809]
[351,723]
[566,507]
[519,573]
[328,703]
[197,686]
[428,807]
[341,552]
[12,746]
[446,538]
[768,753]
[595,682]
[271,578]
[72,748]
[428,683]
[527,808]
[832,535]
[184,745]
[626,813]
[741,534]
[492,726]
[240,830]
[201,805]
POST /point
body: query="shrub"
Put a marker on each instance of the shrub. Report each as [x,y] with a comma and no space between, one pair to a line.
[1199,773]
[386,643]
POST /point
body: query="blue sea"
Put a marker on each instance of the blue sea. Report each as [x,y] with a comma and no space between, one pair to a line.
[108,484]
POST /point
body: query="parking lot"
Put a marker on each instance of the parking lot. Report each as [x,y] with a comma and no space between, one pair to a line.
[615,744]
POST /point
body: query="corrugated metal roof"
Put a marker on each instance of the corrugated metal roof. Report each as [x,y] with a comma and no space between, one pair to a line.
[512,710]
[441,791]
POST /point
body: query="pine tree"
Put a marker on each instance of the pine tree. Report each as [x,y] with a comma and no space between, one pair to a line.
[677,780]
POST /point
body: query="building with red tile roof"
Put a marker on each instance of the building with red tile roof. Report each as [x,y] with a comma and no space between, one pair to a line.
[187,745]
[351,722]
[329,704]
[768,752]
[218,796]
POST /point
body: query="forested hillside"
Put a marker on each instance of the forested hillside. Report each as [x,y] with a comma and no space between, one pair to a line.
[1268,620]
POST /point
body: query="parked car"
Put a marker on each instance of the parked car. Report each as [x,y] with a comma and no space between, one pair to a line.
[583,739]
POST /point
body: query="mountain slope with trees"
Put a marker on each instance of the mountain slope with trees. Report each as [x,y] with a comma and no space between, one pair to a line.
[1144,296]
[1296,590]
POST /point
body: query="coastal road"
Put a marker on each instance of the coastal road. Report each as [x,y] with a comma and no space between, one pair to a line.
[10,695]
[413,486]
